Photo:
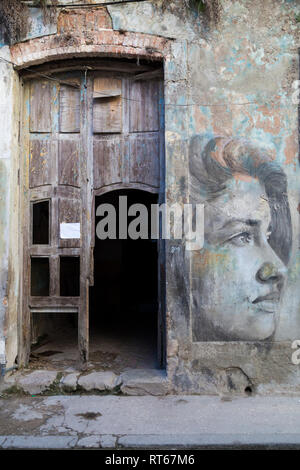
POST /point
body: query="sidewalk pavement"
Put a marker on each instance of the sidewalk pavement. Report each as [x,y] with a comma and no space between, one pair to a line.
[148,422]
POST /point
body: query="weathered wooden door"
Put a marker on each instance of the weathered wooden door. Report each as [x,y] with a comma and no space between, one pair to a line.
[56,225]
[84,133]
[128,150]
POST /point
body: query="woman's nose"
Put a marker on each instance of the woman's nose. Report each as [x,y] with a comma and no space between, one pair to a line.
[271,273]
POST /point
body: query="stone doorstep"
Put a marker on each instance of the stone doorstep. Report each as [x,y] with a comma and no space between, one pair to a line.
[131,382]
[144,382]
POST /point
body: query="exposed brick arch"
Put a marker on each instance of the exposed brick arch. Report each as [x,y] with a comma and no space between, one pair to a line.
[83,33]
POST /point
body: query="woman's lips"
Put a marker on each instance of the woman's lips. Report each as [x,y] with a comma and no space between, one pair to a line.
[268,303]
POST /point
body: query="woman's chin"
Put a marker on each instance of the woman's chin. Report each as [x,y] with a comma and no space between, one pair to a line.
[261,328]
[253,326]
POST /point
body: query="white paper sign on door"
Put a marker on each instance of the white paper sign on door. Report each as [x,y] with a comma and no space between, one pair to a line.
[71,230]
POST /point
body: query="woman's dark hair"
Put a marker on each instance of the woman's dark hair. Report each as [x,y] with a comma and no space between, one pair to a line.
[223,157]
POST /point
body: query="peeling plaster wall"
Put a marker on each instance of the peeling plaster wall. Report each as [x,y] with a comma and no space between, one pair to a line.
[8,212]
[230,79]
[14,259]
[37,27]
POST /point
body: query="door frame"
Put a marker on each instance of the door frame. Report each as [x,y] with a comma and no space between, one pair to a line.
[88,200]
[161,267]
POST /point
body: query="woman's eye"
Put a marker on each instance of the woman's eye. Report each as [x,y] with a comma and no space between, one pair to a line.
[242,239]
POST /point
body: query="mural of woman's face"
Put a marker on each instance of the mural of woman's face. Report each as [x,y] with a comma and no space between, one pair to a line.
[240,276]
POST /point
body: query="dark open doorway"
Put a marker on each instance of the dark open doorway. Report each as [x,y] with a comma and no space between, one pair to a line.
[124,298]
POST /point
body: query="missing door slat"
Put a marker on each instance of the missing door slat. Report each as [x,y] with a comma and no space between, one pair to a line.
[69,276]
[39,276]
[40,223]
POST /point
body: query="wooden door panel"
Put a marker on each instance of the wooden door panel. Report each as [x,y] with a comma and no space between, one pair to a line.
[144,159]
[69,109]
[108,157]
[40,106]
[42,155]
[144,106]
[68,163]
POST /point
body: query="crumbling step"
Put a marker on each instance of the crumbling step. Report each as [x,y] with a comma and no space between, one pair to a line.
[43,382]
[144,382]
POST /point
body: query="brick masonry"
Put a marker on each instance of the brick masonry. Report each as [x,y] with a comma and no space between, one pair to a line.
[88,33]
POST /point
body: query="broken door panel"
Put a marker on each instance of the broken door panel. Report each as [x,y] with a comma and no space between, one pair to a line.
[40,213]
[107,105]
[69,275]
[40,276]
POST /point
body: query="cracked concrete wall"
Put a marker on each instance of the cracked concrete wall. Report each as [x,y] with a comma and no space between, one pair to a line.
[233,79]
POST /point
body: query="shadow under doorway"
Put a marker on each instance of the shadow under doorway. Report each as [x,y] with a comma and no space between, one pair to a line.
[124,298]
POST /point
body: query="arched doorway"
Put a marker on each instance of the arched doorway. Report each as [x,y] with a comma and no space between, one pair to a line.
[124,303]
